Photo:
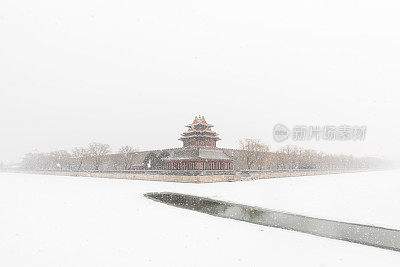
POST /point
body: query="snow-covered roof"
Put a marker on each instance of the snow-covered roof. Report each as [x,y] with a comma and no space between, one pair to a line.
[198,153]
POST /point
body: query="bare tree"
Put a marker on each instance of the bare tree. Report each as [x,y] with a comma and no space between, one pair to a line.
[253,153]
[308,159]
[272,161]
[37,161]
[80,155]
[60,159]
[127,157]
[289,157]
[97,152]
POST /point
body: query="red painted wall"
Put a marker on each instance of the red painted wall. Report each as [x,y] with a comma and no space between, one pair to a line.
[187,143]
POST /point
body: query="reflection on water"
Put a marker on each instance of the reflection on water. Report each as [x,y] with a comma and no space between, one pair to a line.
[357,233]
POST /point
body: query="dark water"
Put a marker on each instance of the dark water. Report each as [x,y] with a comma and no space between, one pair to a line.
[356,233]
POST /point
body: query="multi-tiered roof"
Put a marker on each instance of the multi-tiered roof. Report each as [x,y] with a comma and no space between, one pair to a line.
[199,133]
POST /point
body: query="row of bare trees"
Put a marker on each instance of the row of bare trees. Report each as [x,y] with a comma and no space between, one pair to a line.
[257,156]
[252,155]
[93,157]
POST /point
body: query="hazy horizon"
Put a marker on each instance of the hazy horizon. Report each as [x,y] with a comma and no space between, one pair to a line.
[135,73]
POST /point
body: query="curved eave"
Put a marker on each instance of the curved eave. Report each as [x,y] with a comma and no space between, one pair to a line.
[199,136]
[204,124]
[199,133]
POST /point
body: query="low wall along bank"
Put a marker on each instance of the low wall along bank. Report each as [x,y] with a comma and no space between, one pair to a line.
[196,178]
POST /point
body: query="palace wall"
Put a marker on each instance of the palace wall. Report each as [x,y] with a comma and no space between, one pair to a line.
[194,179]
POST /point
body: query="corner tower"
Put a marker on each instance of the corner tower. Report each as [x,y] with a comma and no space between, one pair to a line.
[199,133]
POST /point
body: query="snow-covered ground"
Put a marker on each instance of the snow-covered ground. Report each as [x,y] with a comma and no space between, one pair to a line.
[67,221]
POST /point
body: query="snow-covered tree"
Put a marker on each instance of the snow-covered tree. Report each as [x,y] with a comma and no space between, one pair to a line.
[97,152]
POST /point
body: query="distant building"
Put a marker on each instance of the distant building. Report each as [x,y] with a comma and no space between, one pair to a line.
[199,151]
[199,133]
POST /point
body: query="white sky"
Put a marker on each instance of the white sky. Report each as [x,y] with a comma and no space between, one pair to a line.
[135,72]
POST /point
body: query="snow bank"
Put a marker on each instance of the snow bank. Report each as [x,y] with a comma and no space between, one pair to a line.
[67,221]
